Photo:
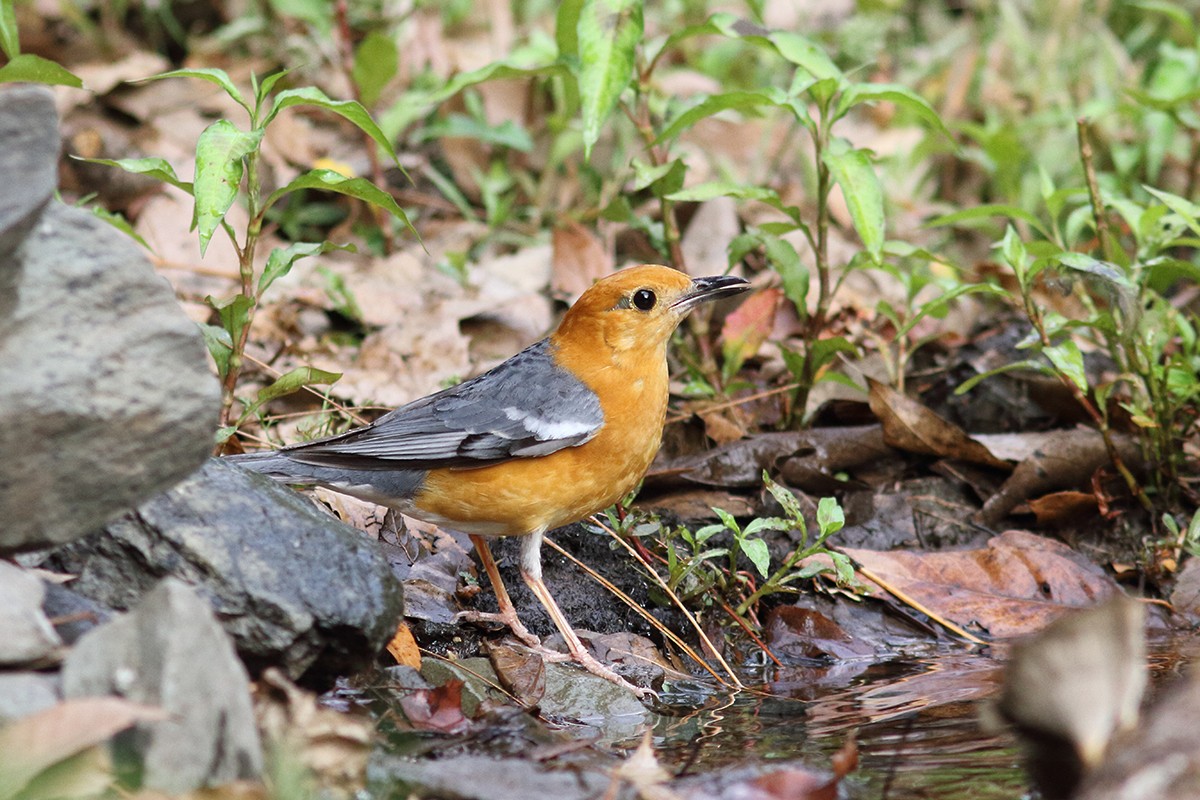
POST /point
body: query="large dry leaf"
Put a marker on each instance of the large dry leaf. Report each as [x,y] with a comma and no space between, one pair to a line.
[1016,585]
[35,743]
[705,243]
[1064,460]
[579,261]
[910,426]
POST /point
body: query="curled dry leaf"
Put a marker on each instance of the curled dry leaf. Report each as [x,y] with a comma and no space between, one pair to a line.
[1016,585]
[332,744]
[521,671]
[910,426]
[33,744]
[643,772]
[1065,460]
[403,647]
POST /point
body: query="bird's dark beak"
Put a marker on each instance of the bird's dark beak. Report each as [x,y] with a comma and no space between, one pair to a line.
[713,288]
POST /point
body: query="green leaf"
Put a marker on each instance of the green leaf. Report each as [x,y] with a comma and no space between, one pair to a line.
[233,313]
[375,63]
[971,382]
[9,41]
[852,170]
[156,168]
[346,109]
[1186,209]
[1067,359]
[219,344]
[327,180]
[281,259]
[28,68]
[830,517]
[210,74]
[806,54]
[895,93]
[1177,13]
[784,259]
[728,520]
[1014,252]
[714,104]
[120,223]
[566,28]
[740,191]
[843,568]
[756,550]
[663,180]
[609,32]
[220,151]
[785,498]
[987,211]
[293,380]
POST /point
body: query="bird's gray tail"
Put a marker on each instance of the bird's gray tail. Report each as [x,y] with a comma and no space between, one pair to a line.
[272,464]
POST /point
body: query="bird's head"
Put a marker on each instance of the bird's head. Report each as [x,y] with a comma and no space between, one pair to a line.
[637,309]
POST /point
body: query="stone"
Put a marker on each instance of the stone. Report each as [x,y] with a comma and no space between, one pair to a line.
[171,652]
[26,636]
[25,693]
[105,390]
[295,587]
[28,163]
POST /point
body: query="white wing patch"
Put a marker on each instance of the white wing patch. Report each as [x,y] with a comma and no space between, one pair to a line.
[549,430]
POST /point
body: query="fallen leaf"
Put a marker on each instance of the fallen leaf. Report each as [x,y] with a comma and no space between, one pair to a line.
[643,772]
[705,243]
[793,633]
[403,647]
[748,326]
[579,261]
[521,671]
[438,709]
[910,426]
[1064,507]
[1016,585]
[35,743]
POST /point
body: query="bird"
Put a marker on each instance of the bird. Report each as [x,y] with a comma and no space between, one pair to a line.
[561,430]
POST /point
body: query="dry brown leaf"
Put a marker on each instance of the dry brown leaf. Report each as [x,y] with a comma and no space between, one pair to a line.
[1016,585]
[793,633]
[910,426]
[579,261]
[1065,507]
[32,744]
[705,243]
[403,647]
[1066,460]
[334,745]
[643,772]
[521,671]
[438,709]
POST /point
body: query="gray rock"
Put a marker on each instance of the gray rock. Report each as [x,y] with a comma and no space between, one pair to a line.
[171,652]
[477,777]
[25,693]
[28,163]
[293,586]
[26,636]
[104,387]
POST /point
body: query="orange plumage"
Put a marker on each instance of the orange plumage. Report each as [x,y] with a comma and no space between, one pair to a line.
[556,433]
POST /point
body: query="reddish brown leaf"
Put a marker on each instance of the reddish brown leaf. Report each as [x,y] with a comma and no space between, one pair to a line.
[521,671]
[795,633]
[1064,507]
[438,709]
[749,325]
[1016,585]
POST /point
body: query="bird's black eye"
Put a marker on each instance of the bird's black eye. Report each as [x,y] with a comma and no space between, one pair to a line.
[644,299]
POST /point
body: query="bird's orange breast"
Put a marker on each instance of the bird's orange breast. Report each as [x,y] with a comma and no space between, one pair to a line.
[526,494]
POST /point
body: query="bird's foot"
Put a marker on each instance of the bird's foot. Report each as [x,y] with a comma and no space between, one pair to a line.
[592,665]
[511,622]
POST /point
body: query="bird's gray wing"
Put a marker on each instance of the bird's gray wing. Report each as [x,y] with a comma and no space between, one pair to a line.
[527,406]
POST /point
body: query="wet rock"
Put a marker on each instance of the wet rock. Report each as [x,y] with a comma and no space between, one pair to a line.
[25,693]
[471,777]
[293,586]
[105,390]
[26,636]
[29,160]
[584,697]
[71,613]
[170,652]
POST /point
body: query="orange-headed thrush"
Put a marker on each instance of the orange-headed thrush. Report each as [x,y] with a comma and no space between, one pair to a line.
[554,434]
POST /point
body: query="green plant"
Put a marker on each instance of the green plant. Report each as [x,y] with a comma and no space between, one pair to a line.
[706,568]
[226,170]
[26,67]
